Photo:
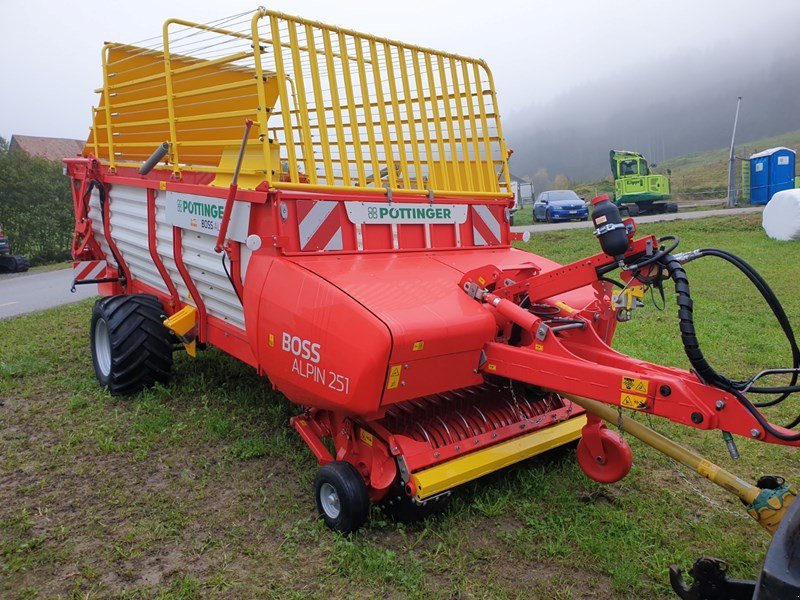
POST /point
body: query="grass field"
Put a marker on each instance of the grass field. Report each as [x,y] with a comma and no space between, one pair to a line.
[200,489]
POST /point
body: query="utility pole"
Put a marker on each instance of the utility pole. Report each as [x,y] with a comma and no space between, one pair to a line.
[732,159]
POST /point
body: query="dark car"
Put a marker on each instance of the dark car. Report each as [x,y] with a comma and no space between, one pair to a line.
[560,205]
[5,247]
[11,263]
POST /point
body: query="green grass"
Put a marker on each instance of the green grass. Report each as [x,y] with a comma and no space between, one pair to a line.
[56,266]
[524,216]
[201,489]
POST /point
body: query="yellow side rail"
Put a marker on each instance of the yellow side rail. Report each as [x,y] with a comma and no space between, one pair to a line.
[334,109]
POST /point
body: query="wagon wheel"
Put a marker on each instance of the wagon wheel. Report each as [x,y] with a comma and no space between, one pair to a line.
[131,348]
[341,496]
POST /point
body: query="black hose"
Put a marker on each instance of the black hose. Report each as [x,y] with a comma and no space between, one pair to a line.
[691,345]
[777,309]
[230,278]
[659,254]
[101,192]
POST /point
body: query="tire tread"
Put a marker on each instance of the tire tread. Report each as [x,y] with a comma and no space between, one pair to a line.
[141,348]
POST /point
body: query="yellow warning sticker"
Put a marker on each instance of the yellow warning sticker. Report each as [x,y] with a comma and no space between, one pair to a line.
[162,185]
[492,367]
[707,469]
[632,401]
[365,436]
[418,345]
[639,386]
[538,347]
[481,281]
[565,307]
[394,377]
[271,341]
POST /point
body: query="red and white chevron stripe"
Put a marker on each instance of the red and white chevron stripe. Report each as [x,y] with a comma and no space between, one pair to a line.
[88,269]
[486,229]
[319,225]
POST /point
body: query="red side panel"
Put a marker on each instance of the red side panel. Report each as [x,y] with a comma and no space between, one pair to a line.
[437,331]
[315,343]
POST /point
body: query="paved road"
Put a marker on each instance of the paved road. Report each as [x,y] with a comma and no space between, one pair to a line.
[22,293]
[679,216]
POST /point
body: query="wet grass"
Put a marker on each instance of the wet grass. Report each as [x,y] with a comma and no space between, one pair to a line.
[200,489]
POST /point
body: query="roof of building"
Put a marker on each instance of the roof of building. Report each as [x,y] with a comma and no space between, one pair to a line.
[47,147]
[770,152]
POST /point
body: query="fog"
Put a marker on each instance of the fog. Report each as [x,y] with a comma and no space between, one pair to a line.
[574,78]
[681,104]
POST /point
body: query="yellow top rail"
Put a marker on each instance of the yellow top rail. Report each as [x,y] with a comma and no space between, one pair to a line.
[333,108]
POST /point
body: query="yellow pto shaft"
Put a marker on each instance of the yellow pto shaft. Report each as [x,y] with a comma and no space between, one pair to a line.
[766,506]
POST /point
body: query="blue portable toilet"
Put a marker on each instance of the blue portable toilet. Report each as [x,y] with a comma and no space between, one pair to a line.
[770,172]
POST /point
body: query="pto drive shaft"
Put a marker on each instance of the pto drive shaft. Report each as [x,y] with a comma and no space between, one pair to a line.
[766,505]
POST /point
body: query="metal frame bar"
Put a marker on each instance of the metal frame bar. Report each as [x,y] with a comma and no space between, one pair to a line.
[175,302]
[403,79]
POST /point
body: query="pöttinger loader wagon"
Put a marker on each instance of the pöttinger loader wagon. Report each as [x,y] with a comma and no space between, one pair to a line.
[332,208]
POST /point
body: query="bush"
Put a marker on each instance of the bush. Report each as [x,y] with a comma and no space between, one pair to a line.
[35,206]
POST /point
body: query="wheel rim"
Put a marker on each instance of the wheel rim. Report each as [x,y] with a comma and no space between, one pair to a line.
[618,459]
[102,347]
[329,498]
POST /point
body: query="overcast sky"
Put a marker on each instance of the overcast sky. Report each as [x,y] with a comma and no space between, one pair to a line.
[51,50]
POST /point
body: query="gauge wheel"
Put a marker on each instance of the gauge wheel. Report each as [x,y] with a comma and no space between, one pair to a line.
[616,463]
[341,496]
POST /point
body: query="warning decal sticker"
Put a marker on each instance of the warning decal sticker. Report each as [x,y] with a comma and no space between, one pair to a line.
[638,386]
[394,377]
[632,401]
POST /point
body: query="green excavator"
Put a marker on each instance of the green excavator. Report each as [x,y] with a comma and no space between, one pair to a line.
[636,189]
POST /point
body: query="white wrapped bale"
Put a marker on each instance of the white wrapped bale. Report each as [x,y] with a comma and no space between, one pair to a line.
[781,219]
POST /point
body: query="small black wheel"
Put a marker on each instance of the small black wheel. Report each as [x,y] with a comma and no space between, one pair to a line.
[400,507]
[632,210]
[131,348]
[341,496]
[548,216]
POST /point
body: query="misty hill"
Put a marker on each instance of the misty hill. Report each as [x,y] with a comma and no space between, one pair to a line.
[682,105]
[699,174]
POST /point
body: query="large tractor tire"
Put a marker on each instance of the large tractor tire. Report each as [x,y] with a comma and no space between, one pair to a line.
[131,348]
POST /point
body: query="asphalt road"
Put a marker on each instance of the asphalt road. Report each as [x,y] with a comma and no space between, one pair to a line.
[22,293]
[678,216]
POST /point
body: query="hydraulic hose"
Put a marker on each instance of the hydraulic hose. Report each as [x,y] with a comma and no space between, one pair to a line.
[101,191]
[777,309]
[691,344]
